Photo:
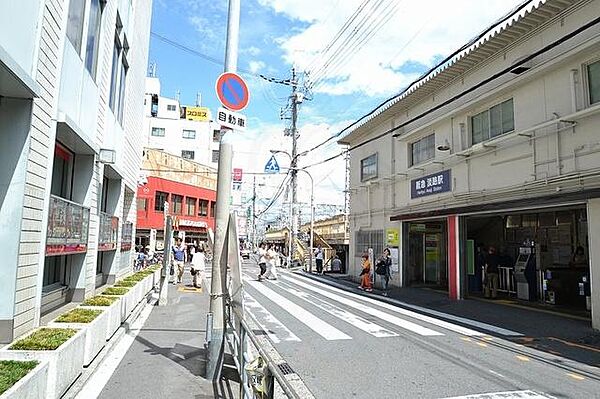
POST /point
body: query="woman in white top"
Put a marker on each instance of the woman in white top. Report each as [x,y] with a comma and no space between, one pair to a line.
[271,259]
[198,266]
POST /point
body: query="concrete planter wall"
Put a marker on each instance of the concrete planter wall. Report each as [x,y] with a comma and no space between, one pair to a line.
[32,386]
[114,316]
[64,364]
[95,334]
[156,277]
[123,306]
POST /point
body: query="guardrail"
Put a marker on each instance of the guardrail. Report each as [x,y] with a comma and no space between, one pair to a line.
[263,372]
[68,227]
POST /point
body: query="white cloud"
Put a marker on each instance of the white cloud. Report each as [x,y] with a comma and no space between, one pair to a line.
[252,50]
[256,66]
[419,32]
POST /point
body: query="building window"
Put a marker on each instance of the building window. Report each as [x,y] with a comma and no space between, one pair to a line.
[493,122]
[75,23]
[189,134]
[422,150]
[171,107]
[62,172]
[368,239]
[93,37]
[177,203]
[593,77]
[158,131]
[120,67]
[213,209]
[190,206]
[203,208]
[215,156]
[54,270]
[142,204]
[216,135]
[187,154]
[159,200]
[368,168]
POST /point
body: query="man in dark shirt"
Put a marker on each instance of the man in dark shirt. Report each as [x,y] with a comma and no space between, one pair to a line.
[492,262]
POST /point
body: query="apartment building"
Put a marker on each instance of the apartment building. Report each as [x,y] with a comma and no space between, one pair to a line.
[182,130]
[496,147]
[71,120]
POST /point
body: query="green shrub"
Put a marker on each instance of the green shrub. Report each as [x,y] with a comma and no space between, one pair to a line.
[79,316]
[125,283]
[12,371]
[44,339]
[99,301]
[116,291]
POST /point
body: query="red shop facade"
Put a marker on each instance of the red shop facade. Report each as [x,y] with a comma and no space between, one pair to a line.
[192,209]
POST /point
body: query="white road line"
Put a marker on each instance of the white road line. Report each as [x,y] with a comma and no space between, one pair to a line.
[94,386]
[506,395]
[269,323]
[428,319]
[408,325]
[322,328]
[351,318]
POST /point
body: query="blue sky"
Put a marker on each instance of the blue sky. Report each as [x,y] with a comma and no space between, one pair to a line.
[275,34]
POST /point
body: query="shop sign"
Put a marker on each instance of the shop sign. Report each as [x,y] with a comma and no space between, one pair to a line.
[193,223]
[431,184]
[200,114]
[392,237]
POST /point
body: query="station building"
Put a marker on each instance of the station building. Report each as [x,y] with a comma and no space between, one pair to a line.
[71,116]
[498,146]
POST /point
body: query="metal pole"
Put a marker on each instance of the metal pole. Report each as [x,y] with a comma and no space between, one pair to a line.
[254,214]
[165,274]
[312,218]
[293,163]
[217,304]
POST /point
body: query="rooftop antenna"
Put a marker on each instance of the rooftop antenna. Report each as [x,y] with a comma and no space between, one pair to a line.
[198,99]
[177,95]
[152,71]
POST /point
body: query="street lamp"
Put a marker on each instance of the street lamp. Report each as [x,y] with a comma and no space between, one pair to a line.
[312,208]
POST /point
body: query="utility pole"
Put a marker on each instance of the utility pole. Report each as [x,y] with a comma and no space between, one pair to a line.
[254,213]
[293,166]
[215,322]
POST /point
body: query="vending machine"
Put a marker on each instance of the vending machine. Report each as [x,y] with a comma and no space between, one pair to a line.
[525,274]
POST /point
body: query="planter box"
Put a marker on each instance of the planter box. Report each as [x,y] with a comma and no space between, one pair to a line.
[95,334]
[31,386]
[123,306]
[156,277]
[114,316]
[64,364]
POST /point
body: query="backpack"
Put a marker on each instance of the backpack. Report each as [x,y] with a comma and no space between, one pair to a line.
[381,268]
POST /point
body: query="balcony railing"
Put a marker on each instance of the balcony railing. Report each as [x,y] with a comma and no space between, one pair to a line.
[108,232]
[68,227]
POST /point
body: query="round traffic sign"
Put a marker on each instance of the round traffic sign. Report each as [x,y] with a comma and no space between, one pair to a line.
[232,91]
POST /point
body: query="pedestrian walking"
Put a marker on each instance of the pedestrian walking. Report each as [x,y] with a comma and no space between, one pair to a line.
[336,264]
[384,269]
[365,274]
[262,260]
[178,260]
[198,267]
[492,262]
[271,258]
[319,259]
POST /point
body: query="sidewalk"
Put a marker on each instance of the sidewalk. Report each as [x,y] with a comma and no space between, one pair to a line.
[551,332]
[166,358]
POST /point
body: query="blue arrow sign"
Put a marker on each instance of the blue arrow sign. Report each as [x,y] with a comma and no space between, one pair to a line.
[272,166]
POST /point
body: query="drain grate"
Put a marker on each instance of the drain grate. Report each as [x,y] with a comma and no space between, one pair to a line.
[285,369]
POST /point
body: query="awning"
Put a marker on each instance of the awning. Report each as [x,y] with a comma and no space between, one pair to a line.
[14,80]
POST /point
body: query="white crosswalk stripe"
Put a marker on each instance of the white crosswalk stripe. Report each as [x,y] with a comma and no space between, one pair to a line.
[348,317]
[269,323]
[319,326]
[506,395]
[313,285]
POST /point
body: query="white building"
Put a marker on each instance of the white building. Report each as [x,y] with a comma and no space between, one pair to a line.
[499,147]
[71,117]
[184,131]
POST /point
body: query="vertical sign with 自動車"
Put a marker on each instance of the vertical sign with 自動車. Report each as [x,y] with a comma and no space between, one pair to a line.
[436,183]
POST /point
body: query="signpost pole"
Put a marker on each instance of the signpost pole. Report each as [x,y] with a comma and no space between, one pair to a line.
[217,301]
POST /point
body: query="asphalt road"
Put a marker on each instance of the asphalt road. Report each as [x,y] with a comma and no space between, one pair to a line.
[344,345]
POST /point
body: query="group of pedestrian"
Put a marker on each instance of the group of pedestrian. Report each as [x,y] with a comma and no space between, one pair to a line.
[268,260]
[192,254]
[383,268]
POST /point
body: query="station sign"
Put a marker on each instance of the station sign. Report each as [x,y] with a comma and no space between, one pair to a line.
[436,183]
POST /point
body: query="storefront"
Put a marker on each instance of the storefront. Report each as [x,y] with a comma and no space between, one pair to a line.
[537,255]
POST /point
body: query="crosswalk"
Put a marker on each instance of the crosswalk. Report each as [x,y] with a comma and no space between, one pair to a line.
[333,314]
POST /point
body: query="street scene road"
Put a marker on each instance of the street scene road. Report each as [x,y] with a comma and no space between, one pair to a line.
[345,345]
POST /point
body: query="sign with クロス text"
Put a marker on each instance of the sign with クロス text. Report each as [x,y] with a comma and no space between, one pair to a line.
[230,119]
